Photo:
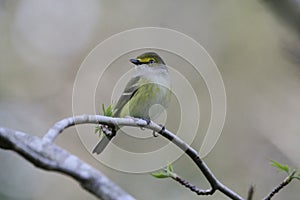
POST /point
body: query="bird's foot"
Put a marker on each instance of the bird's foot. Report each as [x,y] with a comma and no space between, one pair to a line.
[148,121]
[154,134]
[163,128]
[160,132]
[107,131]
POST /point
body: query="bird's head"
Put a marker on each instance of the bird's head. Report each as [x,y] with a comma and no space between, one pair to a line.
[149,58]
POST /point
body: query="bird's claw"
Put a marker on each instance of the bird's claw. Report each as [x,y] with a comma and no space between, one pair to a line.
[163,128]
[107,131]
[148,121]
[160,132]
[154,134]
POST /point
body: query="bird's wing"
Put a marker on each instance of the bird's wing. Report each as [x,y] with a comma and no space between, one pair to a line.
[129,91]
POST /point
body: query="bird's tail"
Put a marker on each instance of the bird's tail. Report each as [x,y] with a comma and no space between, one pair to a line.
[101,145]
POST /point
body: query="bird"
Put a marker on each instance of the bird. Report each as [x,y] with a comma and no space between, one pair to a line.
[149,85]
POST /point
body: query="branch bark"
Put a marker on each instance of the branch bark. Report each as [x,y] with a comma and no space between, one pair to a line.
[48,156]
[284,183]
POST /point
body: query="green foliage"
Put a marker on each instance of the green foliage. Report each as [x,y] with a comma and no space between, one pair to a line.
[280,166]
[160,174]
[297,177]
[292,174]
[108,112]
[98,129]
[167,172]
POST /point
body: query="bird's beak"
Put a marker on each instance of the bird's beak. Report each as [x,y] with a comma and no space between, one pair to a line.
[136,61]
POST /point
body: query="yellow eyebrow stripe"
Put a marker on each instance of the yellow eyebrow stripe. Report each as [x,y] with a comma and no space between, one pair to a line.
[144,60]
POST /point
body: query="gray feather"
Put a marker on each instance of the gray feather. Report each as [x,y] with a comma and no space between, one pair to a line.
[101,145]
[128,93]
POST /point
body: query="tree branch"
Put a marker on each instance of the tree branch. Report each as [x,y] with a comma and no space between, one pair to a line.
[284,183]
[192,187]
[46,155]
[250,193]
[192,153]
[50,157]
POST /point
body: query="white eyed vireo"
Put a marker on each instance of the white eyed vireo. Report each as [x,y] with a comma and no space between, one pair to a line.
[150,85]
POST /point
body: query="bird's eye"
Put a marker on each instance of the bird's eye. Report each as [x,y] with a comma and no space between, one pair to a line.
[151,61]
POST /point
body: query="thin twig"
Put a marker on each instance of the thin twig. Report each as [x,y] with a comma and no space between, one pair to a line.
[284,183]
[250,193]
[192,187]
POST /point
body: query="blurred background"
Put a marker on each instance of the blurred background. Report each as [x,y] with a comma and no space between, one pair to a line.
[255,45]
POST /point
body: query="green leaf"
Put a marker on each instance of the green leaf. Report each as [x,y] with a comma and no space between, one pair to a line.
[296,177]
[170,167]
[107,111]
[160,174]
[103,109]
[167,172]
[97,129]
[280,166]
